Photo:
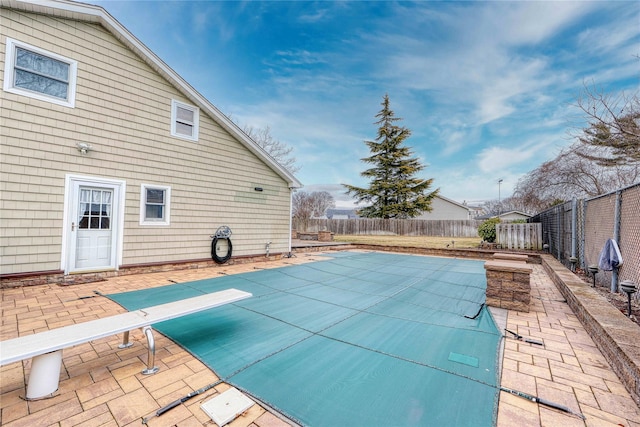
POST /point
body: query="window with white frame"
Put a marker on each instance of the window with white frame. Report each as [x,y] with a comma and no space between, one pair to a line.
[184,120]
[155,202]
[36,73]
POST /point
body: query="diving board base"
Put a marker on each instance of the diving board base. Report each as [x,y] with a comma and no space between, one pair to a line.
[45,375]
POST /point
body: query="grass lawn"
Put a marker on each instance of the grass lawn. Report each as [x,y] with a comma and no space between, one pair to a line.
[412,241]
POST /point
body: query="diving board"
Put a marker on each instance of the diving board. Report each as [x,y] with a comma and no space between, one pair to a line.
[46,347]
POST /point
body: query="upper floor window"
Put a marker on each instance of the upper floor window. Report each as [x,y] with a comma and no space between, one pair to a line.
[39,74]
[154,204]
[184,120]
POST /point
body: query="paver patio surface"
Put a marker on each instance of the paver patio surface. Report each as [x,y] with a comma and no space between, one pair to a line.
[102,385]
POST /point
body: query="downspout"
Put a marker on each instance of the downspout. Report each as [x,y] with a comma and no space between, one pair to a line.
[291,190]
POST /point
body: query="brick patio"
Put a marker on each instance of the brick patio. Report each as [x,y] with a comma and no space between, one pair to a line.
[102,385]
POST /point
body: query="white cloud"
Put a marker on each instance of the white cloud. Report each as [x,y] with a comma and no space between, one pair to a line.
[478,67]
[299,57]
[613,39]
[532,22]
[461,74]
[493,159]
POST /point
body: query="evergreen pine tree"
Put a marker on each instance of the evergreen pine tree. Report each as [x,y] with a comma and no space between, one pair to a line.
[394,191]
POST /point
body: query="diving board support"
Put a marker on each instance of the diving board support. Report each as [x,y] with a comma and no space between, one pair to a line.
[125,340]
[151,354]
[45,348]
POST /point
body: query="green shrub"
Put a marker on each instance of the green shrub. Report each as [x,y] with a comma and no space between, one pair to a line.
[487,230]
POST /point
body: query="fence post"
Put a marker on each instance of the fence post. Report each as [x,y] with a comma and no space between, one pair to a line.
[574,219]
[559,236]
[582,234]
[616,237]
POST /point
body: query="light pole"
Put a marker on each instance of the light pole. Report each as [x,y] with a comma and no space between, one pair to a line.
[499,204]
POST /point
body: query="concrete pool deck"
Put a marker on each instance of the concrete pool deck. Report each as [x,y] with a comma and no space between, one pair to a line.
[102,385]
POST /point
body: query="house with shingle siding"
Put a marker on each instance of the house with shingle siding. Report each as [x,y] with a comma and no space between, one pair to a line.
[111,162]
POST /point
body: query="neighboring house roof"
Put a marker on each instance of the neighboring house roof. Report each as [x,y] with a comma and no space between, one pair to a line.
[511,214]
[440,211]
[515,213]
[342,213]
[98,15]
[454,202]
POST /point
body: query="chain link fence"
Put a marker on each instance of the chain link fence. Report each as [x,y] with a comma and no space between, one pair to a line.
[630,234]
[575,233]
[558,231]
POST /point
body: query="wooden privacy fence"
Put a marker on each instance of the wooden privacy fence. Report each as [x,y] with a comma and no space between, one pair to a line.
[519,236]
[400,227]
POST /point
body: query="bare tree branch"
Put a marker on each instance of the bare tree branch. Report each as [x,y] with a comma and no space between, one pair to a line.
[276,149]
[573,175]
[311,205]
[614,123]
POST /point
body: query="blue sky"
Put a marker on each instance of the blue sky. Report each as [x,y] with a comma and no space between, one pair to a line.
[487,88]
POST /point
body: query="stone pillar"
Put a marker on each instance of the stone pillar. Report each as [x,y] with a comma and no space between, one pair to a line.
[508,284]
[325,236]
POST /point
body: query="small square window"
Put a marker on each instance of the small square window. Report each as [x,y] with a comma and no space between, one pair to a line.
[36,73]
[184,120]
[154,204]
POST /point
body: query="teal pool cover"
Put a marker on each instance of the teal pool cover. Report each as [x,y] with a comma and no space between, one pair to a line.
[360,339]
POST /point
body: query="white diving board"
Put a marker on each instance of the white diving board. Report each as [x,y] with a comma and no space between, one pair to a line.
[46,347]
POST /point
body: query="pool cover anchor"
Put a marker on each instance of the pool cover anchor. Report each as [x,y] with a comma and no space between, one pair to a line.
[521,338]
[180,401]
[543,402]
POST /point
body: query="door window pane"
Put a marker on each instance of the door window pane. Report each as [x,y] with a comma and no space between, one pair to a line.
[95,209]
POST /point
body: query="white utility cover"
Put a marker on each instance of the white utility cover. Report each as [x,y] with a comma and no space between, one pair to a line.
[225,407]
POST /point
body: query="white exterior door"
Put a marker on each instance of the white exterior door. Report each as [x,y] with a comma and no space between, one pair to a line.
[92,224]
[94,233]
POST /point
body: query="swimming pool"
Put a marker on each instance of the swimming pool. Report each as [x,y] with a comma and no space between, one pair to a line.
[357,339]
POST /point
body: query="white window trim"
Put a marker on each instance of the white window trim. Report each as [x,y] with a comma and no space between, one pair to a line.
[143,205]
[9,74]
[174,118]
